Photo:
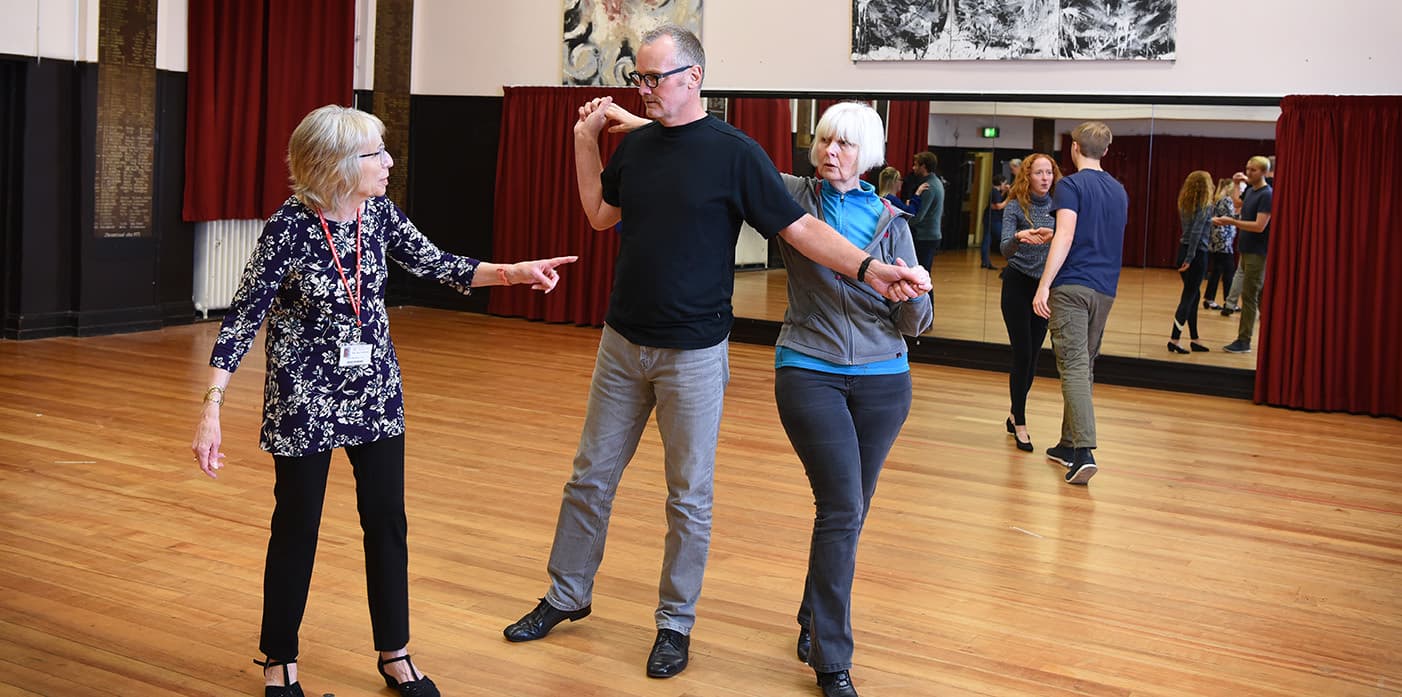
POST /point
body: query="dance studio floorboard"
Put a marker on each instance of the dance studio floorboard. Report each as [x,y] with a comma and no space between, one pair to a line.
[1224,549]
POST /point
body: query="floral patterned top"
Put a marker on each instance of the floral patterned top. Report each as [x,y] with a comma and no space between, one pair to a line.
[310,403]
[1220,241]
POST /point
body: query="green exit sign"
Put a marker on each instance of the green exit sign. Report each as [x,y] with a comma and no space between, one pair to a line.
[990,131]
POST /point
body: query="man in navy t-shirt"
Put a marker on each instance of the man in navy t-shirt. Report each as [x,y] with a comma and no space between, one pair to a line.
[1253,237]
[681,186]
[1078,286]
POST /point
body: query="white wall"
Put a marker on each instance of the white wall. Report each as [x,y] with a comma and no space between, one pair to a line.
[472,48]
[60,29]
[1305,47]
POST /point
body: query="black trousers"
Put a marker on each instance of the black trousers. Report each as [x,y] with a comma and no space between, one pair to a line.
[300,490]
[1026,332]
[1187,312]
[1220,266]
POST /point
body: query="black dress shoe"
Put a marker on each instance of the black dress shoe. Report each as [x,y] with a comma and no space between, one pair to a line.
[1175,348]
[423,687]
[538,622]
[669,654]
[837,684]
[805,643]
[1199,348]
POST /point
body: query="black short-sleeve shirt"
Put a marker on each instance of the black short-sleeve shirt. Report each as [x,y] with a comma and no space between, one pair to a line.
[683,192]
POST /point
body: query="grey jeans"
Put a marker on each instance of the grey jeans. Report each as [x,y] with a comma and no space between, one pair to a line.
[687,387]
[1077,324]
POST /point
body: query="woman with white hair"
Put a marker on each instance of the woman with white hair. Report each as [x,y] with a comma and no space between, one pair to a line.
[842,379]
[841,376]
[318,276]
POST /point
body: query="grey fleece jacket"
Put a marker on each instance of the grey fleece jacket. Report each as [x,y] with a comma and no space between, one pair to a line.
[837,319]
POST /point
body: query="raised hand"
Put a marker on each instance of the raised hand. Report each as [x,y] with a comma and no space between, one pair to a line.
[623,120]
[593,115]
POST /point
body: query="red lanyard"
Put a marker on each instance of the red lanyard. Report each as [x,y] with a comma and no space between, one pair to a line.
[356,297]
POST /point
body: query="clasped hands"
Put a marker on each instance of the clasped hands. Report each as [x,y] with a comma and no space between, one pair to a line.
[898,282]
[601,111]
[1041,235]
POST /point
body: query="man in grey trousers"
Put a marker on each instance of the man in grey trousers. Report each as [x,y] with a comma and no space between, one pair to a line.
[680,186]
[1078,286]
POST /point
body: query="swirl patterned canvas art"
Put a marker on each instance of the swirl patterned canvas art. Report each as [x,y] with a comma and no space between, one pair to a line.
[601,36]
[1014,29]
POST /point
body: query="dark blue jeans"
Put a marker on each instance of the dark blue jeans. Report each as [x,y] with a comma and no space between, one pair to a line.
[842,427]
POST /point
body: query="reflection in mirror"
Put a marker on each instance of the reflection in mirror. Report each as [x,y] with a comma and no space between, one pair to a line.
[1154,149]
[1218,140]
[964,142]
[1024,128]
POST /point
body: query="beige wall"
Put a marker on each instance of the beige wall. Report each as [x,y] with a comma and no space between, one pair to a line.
[1304,46]
[463,47]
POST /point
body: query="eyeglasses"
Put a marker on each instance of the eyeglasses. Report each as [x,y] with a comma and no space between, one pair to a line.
[651,79]
[381,153]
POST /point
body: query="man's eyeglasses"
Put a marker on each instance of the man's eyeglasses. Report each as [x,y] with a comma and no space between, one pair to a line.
[381,153]
[650,79]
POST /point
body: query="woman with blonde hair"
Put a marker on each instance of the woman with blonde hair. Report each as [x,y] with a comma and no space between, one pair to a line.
[888,186]
[318,275]
[1028,226]
[1221,259]
[1195,205]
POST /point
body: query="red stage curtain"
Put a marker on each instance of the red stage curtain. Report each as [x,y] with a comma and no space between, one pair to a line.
[1330,330]
[254,71]
[907,131]
[767,121]
[537,210]
[1173,158]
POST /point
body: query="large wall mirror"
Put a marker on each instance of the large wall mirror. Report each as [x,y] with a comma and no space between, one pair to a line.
[1156,146]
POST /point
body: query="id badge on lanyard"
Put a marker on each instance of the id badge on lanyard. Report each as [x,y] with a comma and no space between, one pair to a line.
[353,354]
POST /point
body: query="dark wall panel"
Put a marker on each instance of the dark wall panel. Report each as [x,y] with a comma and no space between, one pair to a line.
[452,171]
[175,238]
[50,162]
[59,277]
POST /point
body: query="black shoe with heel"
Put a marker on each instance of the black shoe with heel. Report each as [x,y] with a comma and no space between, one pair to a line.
[288,688]
[1175,348]
[1198,348]
[423,687]
[1023,445]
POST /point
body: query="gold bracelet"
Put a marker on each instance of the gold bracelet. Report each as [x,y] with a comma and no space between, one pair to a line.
[209,394]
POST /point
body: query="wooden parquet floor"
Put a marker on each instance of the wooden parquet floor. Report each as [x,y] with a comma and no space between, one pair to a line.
[1224,549]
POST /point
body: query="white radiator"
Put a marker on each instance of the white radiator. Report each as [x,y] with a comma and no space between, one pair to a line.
[222,249]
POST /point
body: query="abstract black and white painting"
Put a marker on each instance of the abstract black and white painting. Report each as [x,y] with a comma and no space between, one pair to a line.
[1014,29]
[601,36]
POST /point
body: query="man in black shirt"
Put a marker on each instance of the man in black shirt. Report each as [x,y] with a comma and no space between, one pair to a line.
[681,187]
[1253,236]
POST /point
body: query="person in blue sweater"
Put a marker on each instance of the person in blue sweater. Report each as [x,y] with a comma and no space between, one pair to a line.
[841,375]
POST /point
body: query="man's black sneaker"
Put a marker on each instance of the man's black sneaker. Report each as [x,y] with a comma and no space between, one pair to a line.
[1082,467]
[1062,454]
